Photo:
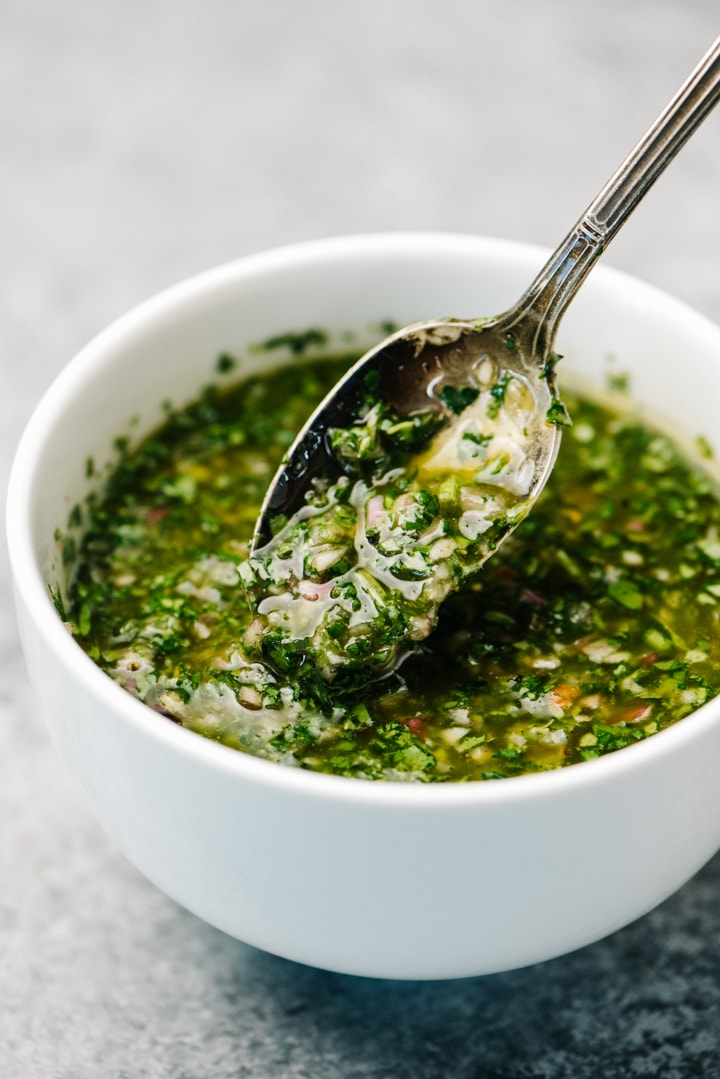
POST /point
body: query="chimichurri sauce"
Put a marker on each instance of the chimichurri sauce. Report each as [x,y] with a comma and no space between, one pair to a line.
[594,626]
[406,510]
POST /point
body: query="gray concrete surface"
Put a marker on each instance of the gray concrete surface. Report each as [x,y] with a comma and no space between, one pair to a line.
[141,142]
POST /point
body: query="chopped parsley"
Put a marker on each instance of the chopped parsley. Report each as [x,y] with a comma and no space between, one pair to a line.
[458,398]
[594,626]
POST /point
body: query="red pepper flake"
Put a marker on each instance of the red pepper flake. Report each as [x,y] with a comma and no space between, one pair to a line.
[564,695]
[417,726]
[636,525]
[634,712]
[157,514]
[649,659]
[534,599]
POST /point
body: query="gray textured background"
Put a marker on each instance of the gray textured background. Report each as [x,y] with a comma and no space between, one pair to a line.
[141,142]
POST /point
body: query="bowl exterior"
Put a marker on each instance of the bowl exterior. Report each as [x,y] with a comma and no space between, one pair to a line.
[386,880]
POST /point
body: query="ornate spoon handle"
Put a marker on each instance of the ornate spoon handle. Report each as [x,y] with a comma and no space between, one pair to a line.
[552,290]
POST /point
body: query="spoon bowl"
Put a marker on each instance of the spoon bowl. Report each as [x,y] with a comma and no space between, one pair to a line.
[416,370]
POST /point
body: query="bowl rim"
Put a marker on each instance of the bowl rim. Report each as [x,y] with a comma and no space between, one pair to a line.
[33,591]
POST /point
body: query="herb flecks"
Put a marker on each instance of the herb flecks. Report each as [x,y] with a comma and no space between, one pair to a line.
[547,370]
[296,342]
[594,626]
[557,414]
[458,398]
[225,363]
[497,394]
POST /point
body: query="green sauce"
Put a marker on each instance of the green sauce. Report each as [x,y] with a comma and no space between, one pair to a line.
[407,510]
[594,625]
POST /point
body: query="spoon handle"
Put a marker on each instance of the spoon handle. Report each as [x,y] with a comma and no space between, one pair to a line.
[566,269]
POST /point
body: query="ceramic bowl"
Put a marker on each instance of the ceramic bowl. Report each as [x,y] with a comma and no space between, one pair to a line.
[379,879]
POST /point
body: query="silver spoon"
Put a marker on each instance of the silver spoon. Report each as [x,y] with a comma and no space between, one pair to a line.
[348,569]
[412,367]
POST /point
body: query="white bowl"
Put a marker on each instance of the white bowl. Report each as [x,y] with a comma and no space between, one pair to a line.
[387,880]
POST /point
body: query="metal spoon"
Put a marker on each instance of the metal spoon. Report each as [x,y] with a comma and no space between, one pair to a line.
[413,367]
[349,569]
